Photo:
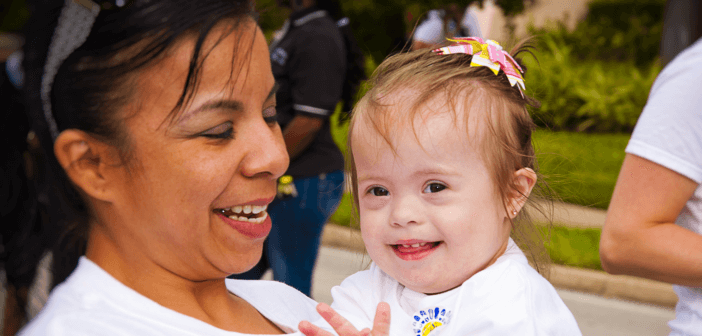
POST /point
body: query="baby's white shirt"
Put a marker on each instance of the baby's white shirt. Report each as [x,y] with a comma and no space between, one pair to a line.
[507,298]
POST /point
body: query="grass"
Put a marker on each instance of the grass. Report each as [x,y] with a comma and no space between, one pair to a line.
[576,247]
[581,168]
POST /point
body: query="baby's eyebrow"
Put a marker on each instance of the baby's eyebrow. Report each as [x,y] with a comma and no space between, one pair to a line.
[434,171]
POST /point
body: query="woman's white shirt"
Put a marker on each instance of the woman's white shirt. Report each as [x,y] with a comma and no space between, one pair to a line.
[92,302]
[669,133]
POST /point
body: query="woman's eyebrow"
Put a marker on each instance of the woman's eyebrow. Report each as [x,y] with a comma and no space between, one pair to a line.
[224,104]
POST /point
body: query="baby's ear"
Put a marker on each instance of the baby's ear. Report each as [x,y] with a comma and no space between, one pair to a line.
[524,181]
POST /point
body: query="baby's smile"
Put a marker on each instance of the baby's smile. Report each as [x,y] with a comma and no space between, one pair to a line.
[414,250]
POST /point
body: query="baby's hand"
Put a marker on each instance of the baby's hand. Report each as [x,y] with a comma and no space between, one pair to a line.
[381,323]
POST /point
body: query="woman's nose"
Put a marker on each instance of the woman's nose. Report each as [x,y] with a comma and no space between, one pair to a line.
[406,210]
[267,154]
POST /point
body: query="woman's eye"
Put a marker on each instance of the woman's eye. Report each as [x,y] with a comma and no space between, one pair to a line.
[223,131]
[270,115]
[434,187]
[378,191]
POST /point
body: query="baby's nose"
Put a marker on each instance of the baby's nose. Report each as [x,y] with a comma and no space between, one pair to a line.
[407,210]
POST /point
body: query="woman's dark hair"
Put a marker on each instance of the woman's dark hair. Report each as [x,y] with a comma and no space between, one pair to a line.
[89,89]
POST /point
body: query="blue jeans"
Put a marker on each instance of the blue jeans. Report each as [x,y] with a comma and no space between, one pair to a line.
[291,248]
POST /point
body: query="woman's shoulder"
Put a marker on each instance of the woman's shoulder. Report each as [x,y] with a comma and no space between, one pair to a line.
[85,304]
[275,299]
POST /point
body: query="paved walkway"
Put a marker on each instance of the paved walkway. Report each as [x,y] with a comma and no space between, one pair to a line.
[573,215]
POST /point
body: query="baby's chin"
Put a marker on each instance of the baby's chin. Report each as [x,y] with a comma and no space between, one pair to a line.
[433,290]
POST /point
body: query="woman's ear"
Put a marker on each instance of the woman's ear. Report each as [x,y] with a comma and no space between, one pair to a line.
[524,181]
[86,161]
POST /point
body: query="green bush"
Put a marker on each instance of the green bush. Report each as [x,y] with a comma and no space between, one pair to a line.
[614,30]
[585,95]
[13,15]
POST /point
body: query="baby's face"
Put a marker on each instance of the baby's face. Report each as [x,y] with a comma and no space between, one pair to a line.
[430,214]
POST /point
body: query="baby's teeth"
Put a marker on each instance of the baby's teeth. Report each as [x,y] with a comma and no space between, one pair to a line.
[415,245]
[247,209]
[236,209]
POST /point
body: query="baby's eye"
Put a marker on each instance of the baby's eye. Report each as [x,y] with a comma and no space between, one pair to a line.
[378,191]
[434,187]
[222,131]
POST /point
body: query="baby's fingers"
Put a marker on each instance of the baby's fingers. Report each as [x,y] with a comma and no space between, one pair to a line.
[310,329]
[381,322]
[342,326]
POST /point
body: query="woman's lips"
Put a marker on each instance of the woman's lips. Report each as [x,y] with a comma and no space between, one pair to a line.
[249,229]
[415,250]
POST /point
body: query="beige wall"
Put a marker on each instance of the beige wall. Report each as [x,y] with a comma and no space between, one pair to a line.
[492,22]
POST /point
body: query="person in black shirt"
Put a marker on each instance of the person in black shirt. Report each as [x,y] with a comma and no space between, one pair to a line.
[308,57]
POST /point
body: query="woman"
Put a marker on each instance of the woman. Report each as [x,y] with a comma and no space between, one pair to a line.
[654,221]
[157,121]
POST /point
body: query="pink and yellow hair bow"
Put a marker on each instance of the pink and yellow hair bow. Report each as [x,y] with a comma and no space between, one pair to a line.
[489,54]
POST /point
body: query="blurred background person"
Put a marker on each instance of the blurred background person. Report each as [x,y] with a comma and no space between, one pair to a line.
[355,60]
[682,26]
[309,61]
[454,20]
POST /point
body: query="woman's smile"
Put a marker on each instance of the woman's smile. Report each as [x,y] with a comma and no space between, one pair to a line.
[250,219]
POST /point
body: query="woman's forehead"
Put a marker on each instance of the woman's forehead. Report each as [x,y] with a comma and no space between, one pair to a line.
[224,58]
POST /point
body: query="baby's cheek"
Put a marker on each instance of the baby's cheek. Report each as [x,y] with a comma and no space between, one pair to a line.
[372,203]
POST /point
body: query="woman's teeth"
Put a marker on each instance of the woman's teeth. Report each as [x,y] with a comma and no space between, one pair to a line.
[255,220]
[247,209]
[240,213]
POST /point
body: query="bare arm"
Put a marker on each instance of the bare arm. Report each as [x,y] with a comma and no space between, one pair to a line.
[299,133]
[640,237]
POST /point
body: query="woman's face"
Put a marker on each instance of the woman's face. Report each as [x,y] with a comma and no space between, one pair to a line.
[220,157]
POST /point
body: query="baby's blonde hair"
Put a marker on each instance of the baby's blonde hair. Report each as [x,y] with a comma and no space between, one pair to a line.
[506,144]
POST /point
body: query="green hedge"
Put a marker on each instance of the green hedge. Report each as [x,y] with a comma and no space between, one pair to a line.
[615,30]
[585,95]
[13,15]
